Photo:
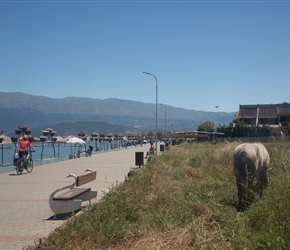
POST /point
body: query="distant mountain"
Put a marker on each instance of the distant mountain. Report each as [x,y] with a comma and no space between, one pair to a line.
[37,111]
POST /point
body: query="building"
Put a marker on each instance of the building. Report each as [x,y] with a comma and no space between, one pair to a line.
[277,116]
[196,136]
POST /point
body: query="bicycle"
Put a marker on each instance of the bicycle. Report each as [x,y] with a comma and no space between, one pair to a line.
[22,164]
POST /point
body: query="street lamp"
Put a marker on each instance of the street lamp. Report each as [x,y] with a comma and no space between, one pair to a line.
[165,116]
[156,105]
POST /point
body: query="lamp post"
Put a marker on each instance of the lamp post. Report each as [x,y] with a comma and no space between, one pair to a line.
[156,106]
[165,118]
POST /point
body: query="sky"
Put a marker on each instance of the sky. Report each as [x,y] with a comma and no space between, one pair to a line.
[203,53]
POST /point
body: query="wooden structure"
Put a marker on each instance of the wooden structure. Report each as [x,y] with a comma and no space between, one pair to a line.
[196,135]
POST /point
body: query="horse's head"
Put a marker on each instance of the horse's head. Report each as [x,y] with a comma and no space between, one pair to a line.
[268,175]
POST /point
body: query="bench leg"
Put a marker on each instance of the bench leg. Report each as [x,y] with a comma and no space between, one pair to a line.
[63,207]
[88,196]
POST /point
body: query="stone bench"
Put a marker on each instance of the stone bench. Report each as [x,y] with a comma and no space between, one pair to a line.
[69,201]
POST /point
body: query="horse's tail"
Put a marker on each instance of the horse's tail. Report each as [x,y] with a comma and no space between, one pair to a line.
[241,174]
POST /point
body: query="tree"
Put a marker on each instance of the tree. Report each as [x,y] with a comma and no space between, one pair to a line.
[241,129]
[206,126]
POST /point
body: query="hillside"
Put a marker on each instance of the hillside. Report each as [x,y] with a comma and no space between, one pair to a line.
[36,111]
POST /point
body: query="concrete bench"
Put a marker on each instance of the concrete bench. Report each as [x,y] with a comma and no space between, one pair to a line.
[63,202]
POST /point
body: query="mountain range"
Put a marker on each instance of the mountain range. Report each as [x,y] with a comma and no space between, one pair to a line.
[124,116]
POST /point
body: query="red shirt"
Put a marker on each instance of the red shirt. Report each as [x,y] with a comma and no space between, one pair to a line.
[23,145]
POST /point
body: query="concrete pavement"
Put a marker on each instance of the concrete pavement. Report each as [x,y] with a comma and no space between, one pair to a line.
[24,208]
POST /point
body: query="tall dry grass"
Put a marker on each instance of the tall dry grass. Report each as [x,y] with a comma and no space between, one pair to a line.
[185,199]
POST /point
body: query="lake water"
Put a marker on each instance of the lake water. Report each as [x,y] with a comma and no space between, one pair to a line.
[58,150]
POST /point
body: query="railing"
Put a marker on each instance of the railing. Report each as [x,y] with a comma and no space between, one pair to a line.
[45,151]
[176,141]
[257,139]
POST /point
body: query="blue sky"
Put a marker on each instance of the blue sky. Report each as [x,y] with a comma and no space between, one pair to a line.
[203,53]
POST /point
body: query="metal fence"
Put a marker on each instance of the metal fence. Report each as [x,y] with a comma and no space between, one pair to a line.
[176,141]
[257,139]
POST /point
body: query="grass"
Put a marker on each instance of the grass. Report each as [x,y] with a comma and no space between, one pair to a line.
[185,199]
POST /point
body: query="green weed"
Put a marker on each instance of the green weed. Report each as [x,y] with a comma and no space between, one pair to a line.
[186,198]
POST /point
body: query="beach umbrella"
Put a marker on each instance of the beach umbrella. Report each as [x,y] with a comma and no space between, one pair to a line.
[69,137]
[60,139]
[5,139]
[75,140]
[36,139]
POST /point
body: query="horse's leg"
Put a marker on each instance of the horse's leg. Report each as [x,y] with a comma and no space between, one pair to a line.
[263,181]
[239,191]
[240,171]
[252,166]
[240,196]
[242,186]
[251,176]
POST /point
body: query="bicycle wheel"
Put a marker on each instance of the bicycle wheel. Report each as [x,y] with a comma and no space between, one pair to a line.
[19,167]
[29,166]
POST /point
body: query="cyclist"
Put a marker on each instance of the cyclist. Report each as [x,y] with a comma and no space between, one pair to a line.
[24,144]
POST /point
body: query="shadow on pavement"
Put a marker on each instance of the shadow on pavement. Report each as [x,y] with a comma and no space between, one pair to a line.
[63,216]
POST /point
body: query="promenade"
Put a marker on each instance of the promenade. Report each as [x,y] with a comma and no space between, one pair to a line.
[24,207]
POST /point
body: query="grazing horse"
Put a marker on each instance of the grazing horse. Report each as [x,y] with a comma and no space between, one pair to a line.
[249,159]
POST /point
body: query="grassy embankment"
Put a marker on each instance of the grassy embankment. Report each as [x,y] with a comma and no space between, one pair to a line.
[186,199]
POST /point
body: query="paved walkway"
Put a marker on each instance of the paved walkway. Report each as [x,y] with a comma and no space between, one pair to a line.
[24,209]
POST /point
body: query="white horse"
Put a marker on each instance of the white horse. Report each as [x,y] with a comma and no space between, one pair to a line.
[249,159]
